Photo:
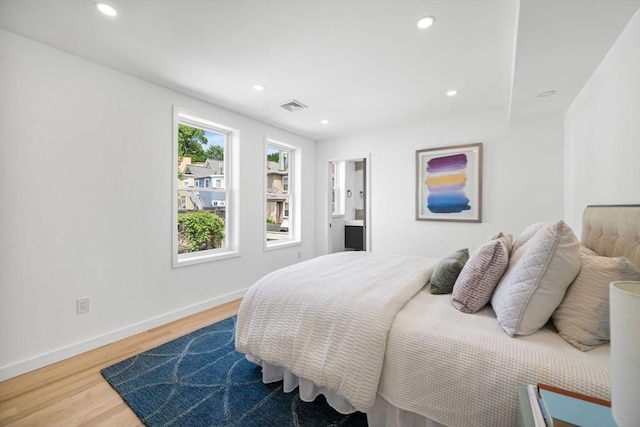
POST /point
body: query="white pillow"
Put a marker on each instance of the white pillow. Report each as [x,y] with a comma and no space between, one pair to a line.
[582,318]
[539,273]
[528,233]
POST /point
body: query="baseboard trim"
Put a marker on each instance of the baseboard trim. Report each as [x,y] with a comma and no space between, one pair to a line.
[28,365]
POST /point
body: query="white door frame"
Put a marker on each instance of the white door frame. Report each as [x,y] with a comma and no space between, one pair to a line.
[367,199]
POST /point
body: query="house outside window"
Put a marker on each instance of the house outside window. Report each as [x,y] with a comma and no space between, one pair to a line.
[205,218]
[282,195]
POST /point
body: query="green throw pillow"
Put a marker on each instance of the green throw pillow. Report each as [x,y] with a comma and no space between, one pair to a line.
[447,271]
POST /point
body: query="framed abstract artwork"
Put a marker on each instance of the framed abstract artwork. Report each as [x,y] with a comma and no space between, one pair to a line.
[449,183]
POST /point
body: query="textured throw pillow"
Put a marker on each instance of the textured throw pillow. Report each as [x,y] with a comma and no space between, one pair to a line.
[480,275]
[508,238]
[538,275]
[498,235]
[586,251]
[582,318]
[447,271]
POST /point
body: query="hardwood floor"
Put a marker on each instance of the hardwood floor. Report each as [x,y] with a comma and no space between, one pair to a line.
[73,393]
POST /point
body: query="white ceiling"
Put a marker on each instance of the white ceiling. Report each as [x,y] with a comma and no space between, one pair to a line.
[362,65]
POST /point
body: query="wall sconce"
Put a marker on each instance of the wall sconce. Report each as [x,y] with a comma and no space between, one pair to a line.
[362,194]
[349,193]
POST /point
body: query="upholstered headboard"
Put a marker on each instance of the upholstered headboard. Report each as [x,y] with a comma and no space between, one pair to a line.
[613,230]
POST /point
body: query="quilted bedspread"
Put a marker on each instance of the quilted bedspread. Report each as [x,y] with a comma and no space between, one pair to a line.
[463,370]
[327,319]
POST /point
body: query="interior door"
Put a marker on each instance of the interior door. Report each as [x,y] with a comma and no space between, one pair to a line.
[354,201]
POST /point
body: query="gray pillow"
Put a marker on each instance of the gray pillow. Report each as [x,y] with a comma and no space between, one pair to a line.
[447,271]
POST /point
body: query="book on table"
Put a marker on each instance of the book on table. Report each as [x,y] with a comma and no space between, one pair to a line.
[556,407]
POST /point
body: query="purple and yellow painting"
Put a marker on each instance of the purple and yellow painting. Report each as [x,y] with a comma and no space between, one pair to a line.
[449,183]
[446,181]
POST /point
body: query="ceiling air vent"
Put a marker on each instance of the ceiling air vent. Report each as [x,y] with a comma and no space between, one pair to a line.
[293,105]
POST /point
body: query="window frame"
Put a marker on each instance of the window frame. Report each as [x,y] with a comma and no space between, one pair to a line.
[231,247]
[294,194]
[338,209]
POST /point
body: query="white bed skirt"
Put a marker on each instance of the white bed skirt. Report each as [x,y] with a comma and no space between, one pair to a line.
[384,414]
[381,414]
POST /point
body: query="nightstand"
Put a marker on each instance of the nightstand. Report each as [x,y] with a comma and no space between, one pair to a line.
[567,408]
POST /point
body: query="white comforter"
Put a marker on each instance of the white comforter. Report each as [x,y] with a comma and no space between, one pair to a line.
[463,370]
[327,319]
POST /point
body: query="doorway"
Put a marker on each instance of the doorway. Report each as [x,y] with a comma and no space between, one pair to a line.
[349,207]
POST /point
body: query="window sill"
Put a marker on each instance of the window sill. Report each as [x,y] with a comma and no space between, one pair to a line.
[200,259]
[280,245]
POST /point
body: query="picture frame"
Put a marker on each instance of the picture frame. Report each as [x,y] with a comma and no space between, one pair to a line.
[449,183]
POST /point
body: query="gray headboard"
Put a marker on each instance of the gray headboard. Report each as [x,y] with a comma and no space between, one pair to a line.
[613,230]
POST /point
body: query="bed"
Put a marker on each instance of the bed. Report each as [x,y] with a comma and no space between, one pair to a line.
[363,330]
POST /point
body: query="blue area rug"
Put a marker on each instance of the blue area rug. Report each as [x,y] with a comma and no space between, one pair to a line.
[201,380]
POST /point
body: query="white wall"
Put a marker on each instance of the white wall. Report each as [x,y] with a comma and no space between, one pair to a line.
[522,180]
[602,145]
[85,190]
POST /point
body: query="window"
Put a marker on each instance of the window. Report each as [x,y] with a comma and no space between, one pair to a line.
[282,183]
[337,187]
[204,217]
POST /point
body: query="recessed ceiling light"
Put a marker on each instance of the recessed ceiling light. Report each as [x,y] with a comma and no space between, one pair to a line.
[106,9]
[258,88]
[426,22]
[546,93]
[452,92]
[324,121]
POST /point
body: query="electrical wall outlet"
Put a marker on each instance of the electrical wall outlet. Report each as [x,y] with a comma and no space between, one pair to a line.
[83,305]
